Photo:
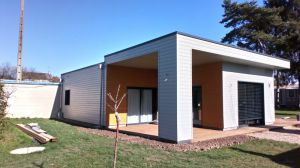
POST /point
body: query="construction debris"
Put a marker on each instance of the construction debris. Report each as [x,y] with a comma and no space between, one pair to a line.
[34,130]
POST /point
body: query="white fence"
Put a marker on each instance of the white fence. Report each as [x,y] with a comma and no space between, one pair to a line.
[33,100]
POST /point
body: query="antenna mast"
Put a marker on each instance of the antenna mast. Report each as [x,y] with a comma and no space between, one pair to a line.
[19,65]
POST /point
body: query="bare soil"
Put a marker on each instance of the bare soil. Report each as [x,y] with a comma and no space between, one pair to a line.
[197,146]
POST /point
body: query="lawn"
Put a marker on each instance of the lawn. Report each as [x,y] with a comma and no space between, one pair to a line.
[286,113]
[79,149]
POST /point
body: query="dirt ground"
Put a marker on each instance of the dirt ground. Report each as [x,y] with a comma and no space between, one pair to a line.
[198,146]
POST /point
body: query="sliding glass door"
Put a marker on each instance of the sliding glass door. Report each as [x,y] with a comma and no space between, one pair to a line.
[139,106]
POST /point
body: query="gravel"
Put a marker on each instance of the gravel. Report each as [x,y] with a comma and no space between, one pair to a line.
[289,134]
[197,146]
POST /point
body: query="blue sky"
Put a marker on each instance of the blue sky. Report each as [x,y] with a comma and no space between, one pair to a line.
[63,35]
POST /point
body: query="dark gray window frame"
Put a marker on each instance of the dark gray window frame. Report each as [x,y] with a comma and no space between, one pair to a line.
[67,97]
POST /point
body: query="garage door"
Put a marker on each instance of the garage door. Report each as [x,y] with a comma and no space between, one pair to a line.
[251,103]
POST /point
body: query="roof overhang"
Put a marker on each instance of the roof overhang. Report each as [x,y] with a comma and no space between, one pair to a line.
[215,51]
[203,51]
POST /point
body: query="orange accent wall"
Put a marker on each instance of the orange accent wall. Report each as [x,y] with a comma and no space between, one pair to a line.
[209,77]
[126,77]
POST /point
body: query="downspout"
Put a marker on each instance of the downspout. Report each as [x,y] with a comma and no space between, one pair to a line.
[299,87]
[60,113]
[102,95]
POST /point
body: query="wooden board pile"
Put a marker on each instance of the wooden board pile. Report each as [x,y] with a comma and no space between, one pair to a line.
[33,130]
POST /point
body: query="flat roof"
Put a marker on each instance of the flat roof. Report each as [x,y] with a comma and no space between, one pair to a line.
[195,37]
[82,68]
[183,34]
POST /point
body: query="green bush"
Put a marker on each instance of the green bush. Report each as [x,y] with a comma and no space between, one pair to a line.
[3,105]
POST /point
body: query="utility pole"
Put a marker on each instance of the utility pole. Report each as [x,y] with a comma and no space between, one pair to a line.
[19,65]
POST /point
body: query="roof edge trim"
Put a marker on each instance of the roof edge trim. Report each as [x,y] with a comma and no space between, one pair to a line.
[82,68]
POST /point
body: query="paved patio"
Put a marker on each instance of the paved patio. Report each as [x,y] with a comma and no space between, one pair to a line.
[203,134]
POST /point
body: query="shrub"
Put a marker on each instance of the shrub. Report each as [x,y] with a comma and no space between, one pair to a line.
[3,104]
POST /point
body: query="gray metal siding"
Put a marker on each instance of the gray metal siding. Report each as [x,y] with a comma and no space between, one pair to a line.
[167,92]
[184,90]
[85,88]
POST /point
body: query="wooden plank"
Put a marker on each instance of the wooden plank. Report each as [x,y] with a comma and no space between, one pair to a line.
[52,138]
[33,134]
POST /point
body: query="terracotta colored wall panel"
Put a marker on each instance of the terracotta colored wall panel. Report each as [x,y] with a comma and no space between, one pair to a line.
[126,77]
[209,77]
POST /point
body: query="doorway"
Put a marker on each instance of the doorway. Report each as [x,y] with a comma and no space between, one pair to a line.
[197,105]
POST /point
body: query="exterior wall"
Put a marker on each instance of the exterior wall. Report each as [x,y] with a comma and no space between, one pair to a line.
[232,74]
[184,90]
[209,77]
[32,100]
[126,77]
[85,90]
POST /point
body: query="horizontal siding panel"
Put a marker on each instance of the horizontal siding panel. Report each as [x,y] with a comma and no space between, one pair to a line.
[85,88]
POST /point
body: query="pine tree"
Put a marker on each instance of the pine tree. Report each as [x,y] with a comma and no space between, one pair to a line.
[273,28]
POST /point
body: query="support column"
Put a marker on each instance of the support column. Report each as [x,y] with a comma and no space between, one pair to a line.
[175,94]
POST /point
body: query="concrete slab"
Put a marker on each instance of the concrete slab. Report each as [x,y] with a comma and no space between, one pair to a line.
[203,134]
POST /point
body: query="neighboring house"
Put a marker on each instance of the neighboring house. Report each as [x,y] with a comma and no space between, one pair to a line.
[186,79]
[288,97]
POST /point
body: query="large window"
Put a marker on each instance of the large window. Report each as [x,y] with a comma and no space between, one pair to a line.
[67,97]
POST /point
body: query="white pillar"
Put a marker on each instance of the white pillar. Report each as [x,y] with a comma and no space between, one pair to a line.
[175,94]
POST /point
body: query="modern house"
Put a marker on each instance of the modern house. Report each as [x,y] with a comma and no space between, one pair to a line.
[182,79]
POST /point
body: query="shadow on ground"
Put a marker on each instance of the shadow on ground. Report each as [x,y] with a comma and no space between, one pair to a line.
[40,165]
[289,158]
[286,130]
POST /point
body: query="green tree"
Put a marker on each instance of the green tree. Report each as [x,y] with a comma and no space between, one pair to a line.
[290,15]
[273,28]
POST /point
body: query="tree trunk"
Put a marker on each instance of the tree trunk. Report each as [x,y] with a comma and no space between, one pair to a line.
[299,90]
[116,143]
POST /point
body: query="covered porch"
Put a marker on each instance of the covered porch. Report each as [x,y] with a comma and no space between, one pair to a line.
[139,79]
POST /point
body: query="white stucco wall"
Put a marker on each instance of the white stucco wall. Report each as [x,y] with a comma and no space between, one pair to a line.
[232,74]
[32,101]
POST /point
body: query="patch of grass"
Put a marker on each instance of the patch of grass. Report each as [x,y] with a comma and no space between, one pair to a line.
[79,149]
[286,113]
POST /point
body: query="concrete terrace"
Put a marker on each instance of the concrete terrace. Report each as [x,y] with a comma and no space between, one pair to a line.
[203,134]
